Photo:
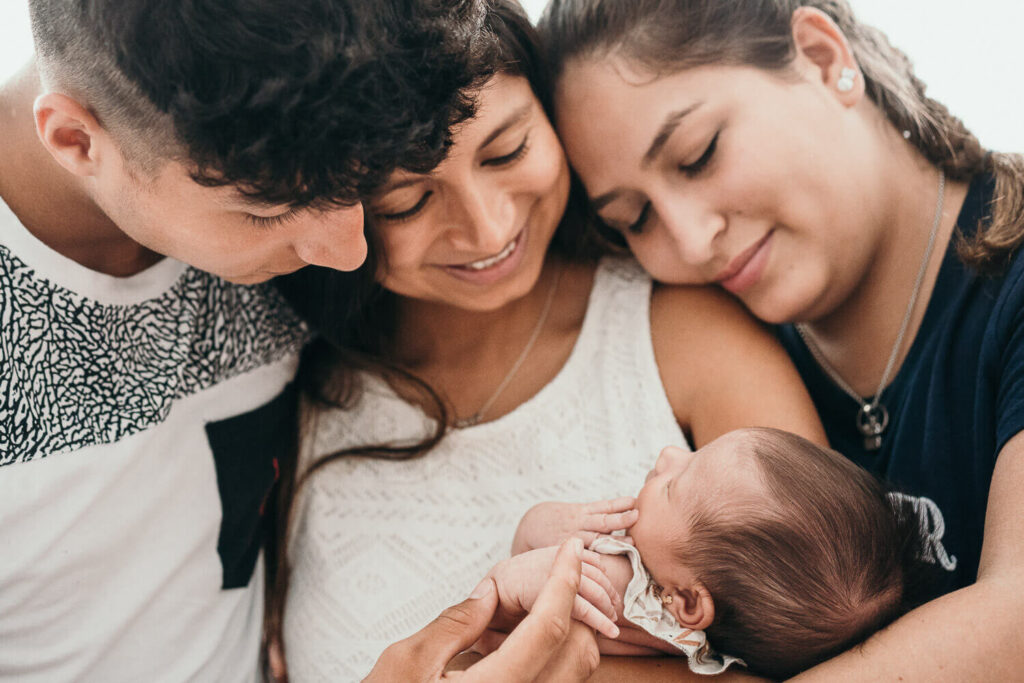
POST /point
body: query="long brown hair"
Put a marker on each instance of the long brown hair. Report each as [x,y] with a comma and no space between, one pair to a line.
[355,318]
[671,35]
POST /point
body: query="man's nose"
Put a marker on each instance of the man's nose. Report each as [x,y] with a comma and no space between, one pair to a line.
[334,239]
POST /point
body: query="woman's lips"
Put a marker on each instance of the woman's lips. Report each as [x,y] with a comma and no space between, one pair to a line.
[493,268]
[746,269]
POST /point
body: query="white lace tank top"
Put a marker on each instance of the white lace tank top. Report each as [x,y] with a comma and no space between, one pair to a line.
[381,547]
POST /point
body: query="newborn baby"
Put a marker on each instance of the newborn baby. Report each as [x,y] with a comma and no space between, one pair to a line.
[780,552]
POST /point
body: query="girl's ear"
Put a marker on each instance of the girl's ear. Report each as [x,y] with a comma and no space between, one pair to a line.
[691,605]
[824,55]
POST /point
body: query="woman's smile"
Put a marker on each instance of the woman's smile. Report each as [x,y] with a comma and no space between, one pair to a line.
[746,268]
[487,271]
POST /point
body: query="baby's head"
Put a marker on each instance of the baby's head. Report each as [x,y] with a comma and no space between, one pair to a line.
[783,552]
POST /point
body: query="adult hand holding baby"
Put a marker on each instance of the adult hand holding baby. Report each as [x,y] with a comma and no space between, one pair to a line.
[546,646]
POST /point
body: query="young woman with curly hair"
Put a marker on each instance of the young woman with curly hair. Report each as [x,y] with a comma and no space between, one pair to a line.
[488,361]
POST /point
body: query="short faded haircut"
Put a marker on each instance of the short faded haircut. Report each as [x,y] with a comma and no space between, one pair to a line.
[296,102]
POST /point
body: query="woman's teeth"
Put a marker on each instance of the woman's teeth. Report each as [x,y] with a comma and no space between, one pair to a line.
[494,260]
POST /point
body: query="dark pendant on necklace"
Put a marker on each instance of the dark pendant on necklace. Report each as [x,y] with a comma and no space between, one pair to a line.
[871,422]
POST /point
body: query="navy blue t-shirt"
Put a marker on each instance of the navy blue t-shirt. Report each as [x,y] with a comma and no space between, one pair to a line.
[956,401]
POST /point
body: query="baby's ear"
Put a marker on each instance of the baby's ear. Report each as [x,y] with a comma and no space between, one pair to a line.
[691,605]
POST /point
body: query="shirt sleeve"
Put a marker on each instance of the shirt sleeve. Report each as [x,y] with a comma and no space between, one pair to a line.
[1010,401]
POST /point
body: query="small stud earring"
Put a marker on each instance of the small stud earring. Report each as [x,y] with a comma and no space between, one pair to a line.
[846,77]
[666,599]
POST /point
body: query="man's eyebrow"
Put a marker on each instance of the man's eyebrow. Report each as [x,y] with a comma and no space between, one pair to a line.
[668,127]
[259,204]
[399,184]
[510,120]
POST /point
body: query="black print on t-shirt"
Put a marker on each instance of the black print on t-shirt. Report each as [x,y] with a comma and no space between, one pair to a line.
[247,451]
[75,372]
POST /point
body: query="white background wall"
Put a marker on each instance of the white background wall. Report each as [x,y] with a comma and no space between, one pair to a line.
[968,54]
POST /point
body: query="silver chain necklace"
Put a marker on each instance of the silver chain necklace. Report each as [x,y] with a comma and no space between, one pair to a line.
[873,418]
[477,417]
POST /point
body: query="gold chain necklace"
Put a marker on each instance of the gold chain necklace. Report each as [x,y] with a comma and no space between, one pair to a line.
[478,417]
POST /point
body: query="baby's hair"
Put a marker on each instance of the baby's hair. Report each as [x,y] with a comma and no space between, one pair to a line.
[829,560]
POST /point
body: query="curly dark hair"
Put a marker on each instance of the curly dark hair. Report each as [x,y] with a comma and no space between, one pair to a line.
[299,102]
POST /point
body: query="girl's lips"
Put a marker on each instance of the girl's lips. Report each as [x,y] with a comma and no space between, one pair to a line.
[494,268]
[746,269]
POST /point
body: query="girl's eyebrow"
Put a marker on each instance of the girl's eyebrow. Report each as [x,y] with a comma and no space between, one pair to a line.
[668,127]
[512,119]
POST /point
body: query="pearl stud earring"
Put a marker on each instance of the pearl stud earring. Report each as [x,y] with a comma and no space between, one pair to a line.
[846,77]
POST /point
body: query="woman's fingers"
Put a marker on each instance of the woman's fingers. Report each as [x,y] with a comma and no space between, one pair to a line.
[489,641]
[578,659]
[425,654]
[526,651]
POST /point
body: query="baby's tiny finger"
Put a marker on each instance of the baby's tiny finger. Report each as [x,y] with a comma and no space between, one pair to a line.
[587,537]
[596,594]
[597,574]
[614,505]
[594,618]
[489,641]
[608,522]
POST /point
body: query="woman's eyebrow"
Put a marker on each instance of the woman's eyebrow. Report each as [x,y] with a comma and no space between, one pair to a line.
[668,127]
[510,120]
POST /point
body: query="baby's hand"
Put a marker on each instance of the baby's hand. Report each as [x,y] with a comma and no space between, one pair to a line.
[520,579]
[547,524]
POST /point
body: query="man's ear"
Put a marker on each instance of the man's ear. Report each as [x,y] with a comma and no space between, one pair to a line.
[824,55]
[69,132]
[691,605]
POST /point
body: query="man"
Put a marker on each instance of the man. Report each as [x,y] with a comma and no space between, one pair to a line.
[143,401]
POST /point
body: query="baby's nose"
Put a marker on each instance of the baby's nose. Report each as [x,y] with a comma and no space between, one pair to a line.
[668,457]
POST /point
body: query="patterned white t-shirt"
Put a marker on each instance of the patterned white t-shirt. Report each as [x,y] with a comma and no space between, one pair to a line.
[381,547]
[140,419]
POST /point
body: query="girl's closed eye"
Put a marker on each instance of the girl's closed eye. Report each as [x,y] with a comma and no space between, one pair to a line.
[701,163]
[516,154]
[406,214]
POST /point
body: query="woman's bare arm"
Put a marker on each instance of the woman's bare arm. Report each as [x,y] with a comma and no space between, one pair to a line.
[722,370]
[973,634]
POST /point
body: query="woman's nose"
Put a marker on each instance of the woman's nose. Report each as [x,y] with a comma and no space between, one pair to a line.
[693,228]
[485,220]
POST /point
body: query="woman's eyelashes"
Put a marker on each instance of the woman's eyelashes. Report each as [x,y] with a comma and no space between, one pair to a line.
[637,226]
[504,160]
[696,167]
[691,170]
[514,155]
[405,215]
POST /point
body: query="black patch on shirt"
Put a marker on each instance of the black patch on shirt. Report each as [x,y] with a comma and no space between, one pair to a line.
[247,451]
